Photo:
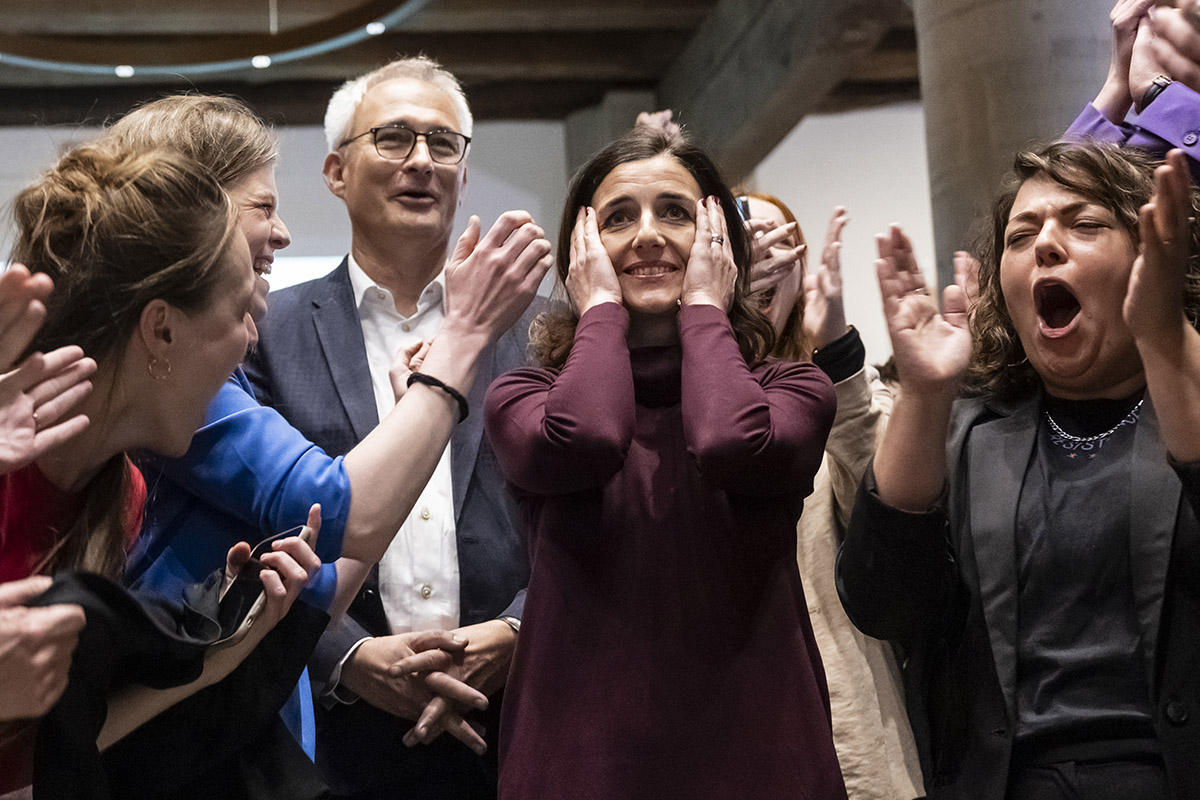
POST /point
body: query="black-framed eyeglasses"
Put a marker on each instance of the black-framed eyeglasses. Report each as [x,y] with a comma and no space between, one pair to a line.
[396,142]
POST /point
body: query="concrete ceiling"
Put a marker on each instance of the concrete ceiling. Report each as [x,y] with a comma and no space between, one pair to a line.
[739,70]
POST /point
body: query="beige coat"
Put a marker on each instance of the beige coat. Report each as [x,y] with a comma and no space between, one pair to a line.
[870,726]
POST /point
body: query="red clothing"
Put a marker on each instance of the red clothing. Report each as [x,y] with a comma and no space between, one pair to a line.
[34,515]
[665,648]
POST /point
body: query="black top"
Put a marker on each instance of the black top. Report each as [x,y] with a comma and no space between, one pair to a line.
[1081,679]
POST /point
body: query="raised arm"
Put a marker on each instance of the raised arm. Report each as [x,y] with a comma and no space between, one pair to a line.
[489,284]
[932,351]
[750,433]
[556,433]
[1154,309]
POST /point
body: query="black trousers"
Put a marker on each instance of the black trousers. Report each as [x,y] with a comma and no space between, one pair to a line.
[1090,780]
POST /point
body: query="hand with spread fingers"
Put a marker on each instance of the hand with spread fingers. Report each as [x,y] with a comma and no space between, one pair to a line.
[776,267]
[490,281]
[591,279]
[711,272]
[35,398]
[824,311]
[932,349]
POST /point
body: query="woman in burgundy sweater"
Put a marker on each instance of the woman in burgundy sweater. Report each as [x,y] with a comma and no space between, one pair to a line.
[661,463]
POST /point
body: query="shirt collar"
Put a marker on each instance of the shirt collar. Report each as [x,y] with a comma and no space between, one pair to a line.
[432,295]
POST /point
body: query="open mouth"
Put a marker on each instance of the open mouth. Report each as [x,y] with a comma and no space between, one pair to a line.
[1056,305]
[262,266]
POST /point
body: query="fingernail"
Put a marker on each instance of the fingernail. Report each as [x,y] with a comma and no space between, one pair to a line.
[456,638]
[481,703]
[423,731]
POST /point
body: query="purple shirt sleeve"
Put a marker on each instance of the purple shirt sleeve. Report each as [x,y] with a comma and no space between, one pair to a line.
[1172,120]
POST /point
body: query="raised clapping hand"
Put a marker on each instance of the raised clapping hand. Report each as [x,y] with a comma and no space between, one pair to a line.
[1176,45]
[1115,97]
[35,396]
[1154,300]
[824,312]
[932,349]
[35,649]
[491,281]
[711,273]
[774,265]
[591,278]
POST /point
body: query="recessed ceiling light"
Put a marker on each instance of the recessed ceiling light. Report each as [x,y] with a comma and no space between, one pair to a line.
[261,62]
[376,28]
[124,71]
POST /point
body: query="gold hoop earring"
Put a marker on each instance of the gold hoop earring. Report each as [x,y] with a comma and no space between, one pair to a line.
[150,368]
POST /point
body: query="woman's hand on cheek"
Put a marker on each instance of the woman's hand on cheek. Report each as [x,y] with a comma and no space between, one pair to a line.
[711,273]
[591,278]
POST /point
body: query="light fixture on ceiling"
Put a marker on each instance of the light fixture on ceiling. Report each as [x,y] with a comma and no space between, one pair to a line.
[297,45]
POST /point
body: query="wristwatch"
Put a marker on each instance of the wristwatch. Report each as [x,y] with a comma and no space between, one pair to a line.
[1157,86]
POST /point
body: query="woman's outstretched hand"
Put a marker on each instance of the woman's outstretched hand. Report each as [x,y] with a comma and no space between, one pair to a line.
[932,349]
[824,312]
[591,278]
[711,273]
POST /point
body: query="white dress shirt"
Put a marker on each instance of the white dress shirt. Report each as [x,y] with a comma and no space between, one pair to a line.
[418,574]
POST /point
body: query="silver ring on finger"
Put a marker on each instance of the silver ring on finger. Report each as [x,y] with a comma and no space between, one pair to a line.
[36,425]
[718,240]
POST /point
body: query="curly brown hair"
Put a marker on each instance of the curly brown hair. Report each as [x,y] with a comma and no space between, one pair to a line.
[553,333]
[1121,181]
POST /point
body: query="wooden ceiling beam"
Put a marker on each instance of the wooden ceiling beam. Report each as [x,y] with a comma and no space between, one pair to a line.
[156,18]
[756,67]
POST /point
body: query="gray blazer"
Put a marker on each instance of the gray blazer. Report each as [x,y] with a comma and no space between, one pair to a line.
[311,365]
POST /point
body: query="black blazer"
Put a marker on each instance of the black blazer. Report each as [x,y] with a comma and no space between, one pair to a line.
[311,365]
[943,584]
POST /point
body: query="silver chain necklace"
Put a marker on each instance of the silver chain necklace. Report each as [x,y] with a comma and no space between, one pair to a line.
[1130,417]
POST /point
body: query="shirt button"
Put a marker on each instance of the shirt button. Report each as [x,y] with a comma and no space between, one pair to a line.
[1190,138]
[406,327]
[426,591]
[1177,712]
[379,295]
[425,513]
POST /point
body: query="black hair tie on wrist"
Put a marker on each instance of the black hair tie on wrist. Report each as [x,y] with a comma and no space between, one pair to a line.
[429,380]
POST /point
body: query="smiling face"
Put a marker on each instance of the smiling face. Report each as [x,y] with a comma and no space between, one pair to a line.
[415,196]
[646,213]
[1064,273]
[257,200]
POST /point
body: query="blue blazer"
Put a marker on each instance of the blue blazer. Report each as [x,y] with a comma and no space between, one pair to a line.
[311,365]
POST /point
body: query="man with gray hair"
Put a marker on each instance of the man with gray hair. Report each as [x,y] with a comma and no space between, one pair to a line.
[398,140]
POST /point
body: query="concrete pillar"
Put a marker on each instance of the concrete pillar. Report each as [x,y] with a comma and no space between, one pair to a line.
[996,76]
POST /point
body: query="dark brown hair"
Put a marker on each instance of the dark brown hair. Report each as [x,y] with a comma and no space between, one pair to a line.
[115,230]
[552,334]
[1121,181]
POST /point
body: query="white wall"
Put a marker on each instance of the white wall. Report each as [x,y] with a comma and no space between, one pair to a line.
[512,165]
[873,162]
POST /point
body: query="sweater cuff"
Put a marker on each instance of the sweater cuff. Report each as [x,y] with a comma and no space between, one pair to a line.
[842,357]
